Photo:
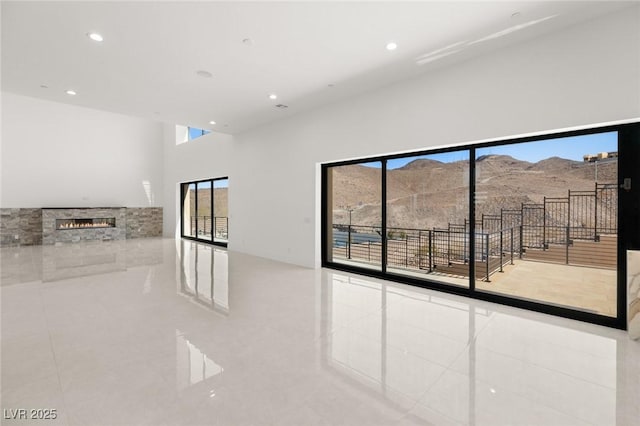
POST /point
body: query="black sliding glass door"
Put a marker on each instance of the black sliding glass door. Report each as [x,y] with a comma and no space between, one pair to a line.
[428,217]
[221,210]
[205,210]
[189,210]
[534,222]
[355,229]
[547,221]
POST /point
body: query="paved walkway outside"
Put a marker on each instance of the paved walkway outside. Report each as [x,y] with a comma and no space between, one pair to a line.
[590,289]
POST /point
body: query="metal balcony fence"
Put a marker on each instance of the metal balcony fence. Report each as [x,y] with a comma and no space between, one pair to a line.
[444,251]
[201,226]
[582,215]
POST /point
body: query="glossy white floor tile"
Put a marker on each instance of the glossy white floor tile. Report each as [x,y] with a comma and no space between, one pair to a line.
[166,332]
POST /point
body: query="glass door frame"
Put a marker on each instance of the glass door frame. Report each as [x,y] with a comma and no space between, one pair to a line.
[628,223]
[183,191]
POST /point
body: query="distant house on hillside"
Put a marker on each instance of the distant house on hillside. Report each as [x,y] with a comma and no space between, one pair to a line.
[591,158]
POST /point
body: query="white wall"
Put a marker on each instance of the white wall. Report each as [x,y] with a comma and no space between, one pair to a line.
[583,75]
[205,157]
[58,155]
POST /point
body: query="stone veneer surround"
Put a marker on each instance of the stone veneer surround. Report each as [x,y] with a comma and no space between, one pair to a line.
[144,222]
[20,227]
[24,226]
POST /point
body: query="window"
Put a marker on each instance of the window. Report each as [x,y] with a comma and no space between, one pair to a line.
[428,217]
[196,133]
[532,222]
[221,207]
[189,210]
[205,210]
[546,221]
[187,133]
[356,214]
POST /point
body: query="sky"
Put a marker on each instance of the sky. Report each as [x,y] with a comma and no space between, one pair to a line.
[222,183]
[194,132]
[571,148]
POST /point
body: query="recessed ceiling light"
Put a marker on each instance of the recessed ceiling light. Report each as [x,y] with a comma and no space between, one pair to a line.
[95,36]
[212,122]
[392,46]
[331,85]
[44,86]
[273,96]
[204,74]
[515,15]
[71,92]
[247,41]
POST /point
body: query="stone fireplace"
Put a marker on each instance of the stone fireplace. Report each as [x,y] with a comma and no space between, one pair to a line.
[25,226]
[68,225]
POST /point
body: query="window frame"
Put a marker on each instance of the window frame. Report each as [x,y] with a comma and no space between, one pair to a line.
[627,132]
[211,182]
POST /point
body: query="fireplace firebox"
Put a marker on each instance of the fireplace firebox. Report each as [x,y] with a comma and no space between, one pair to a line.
[61,225]
[91,223]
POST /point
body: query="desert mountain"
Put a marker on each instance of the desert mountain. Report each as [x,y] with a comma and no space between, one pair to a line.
[220,201]
[427,193]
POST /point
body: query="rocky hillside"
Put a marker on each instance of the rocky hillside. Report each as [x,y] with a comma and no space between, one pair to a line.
[427,193]
[220,201]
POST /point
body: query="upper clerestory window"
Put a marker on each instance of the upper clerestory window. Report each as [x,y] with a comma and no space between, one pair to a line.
[187,133]
[196,133]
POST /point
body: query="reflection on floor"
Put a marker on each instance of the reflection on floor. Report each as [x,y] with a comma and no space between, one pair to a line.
[64,261]
[578,287]
[204,276]
[205,336]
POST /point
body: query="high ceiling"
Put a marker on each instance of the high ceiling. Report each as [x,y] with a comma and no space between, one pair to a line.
[308,53]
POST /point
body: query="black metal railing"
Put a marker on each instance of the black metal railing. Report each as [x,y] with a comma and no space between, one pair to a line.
[582,215]
[606,208]
[444,251]
[201,226]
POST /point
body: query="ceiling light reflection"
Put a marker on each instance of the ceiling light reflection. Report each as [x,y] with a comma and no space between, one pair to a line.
[512,29]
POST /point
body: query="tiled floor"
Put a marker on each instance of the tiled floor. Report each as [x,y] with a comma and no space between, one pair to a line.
[165,332]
